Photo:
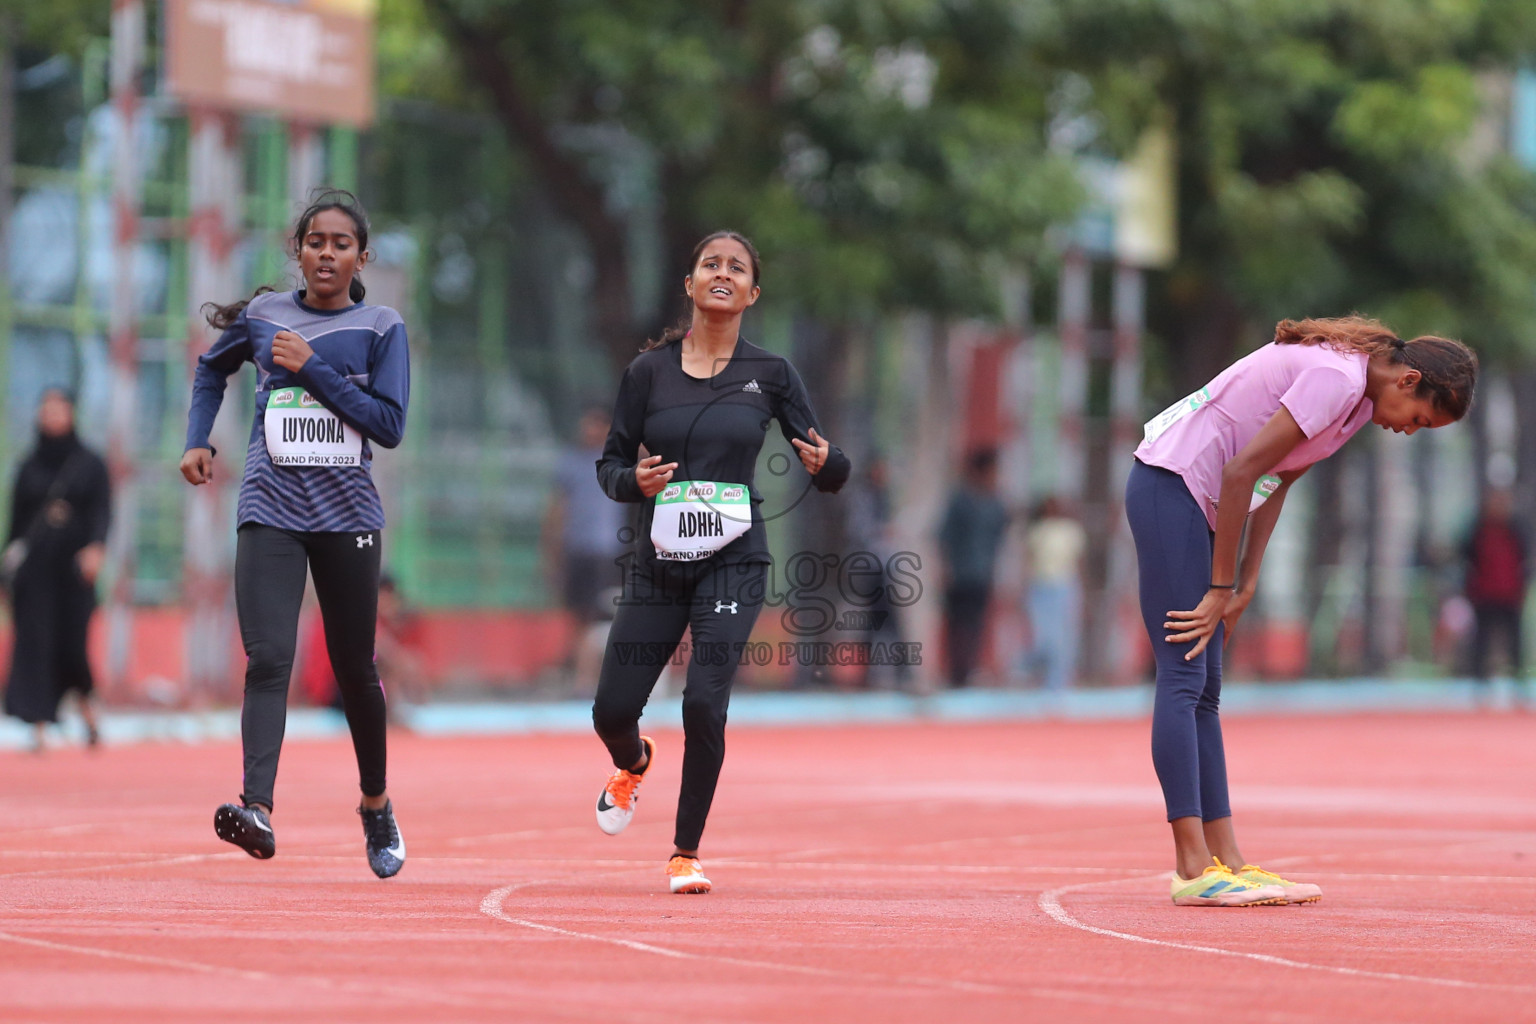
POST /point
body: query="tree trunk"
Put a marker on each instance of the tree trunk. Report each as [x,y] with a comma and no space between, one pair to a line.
[1207,321]
[1204,335]
[578,197]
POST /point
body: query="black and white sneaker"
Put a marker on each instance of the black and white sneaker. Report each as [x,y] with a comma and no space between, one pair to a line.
[247,827]
[386,847]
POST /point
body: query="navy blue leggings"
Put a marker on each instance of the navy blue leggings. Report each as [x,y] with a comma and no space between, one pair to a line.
[1173,553]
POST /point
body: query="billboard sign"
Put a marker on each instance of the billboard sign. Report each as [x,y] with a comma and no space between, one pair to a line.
[302,60]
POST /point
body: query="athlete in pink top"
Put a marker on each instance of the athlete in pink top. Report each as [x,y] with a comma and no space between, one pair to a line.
[1323,389]
[1221,457]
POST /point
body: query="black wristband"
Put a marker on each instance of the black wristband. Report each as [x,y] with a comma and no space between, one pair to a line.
[1223,586]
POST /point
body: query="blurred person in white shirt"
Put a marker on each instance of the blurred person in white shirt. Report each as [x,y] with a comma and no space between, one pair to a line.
[1054,544]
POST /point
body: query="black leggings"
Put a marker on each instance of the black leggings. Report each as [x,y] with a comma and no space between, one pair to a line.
[269,588]
[720,604]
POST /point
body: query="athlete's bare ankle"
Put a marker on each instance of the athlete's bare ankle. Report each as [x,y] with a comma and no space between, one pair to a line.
[375,803]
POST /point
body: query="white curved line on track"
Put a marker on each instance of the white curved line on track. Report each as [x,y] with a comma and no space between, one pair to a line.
[492,906]
[1050,902]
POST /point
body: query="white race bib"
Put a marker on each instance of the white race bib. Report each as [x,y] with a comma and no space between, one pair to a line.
[696,518]
[302,432]
[1178,410]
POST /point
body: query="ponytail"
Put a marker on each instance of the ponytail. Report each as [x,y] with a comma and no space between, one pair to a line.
[1447,368]
[676,332]
[1345,333]
[224,317]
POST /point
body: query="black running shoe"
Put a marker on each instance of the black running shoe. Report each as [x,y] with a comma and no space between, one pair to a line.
[386,848]
[247,827]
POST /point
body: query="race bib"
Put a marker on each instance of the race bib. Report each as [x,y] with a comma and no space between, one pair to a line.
[1158,424]
[302,432]
[1265,486]
[696,518]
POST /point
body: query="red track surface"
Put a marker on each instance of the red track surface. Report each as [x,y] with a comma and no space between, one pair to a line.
[938,873]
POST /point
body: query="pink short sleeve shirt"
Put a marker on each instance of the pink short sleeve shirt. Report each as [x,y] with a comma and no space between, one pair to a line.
[1322,387]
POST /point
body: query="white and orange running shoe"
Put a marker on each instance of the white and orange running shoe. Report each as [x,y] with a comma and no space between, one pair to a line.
[1295,892]
[616,803]
[686,875]
[1217,886]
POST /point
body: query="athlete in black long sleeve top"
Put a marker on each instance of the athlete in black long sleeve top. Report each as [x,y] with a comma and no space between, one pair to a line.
[713,428]
[700,402]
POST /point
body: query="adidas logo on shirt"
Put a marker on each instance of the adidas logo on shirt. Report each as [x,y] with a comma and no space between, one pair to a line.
[751,387]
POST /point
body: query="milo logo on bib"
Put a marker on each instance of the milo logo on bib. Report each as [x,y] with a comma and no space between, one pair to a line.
[694,519]
[300,431]
[1263,489]
[1266,486]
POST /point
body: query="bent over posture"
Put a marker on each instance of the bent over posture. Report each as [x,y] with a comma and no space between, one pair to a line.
[1222,457]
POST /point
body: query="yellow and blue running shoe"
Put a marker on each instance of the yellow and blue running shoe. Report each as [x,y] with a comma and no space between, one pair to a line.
[1295,892]
[1217,886]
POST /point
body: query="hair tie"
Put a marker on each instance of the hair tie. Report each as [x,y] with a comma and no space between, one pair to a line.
[1399,344]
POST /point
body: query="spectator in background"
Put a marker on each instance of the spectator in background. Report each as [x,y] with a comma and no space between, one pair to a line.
[1497,570]
[61,507]
[581,541]
[1053,556]
[969,537]
[871,531]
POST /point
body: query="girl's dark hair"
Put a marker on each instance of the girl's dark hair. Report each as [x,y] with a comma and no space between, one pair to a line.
[685,323]
[1447,369]
[63,391]
[322,199]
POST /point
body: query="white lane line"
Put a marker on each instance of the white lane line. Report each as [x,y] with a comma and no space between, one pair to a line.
[86,869]
[364,987]
[143,958]
[492,906]
[1050,902]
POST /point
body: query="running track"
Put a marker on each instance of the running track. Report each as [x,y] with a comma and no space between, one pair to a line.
[948,873]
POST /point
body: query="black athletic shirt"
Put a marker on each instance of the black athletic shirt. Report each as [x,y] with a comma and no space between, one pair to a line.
[712,428]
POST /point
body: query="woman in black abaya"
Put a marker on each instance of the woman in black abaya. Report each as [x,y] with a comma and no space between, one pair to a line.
[60,510]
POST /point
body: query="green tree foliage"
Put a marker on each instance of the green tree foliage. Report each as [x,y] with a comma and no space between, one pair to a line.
[886,154]
[52,26]
[1334,155]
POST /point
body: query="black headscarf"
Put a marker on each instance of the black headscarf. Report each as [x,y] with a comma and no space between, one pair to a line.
[53,451]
